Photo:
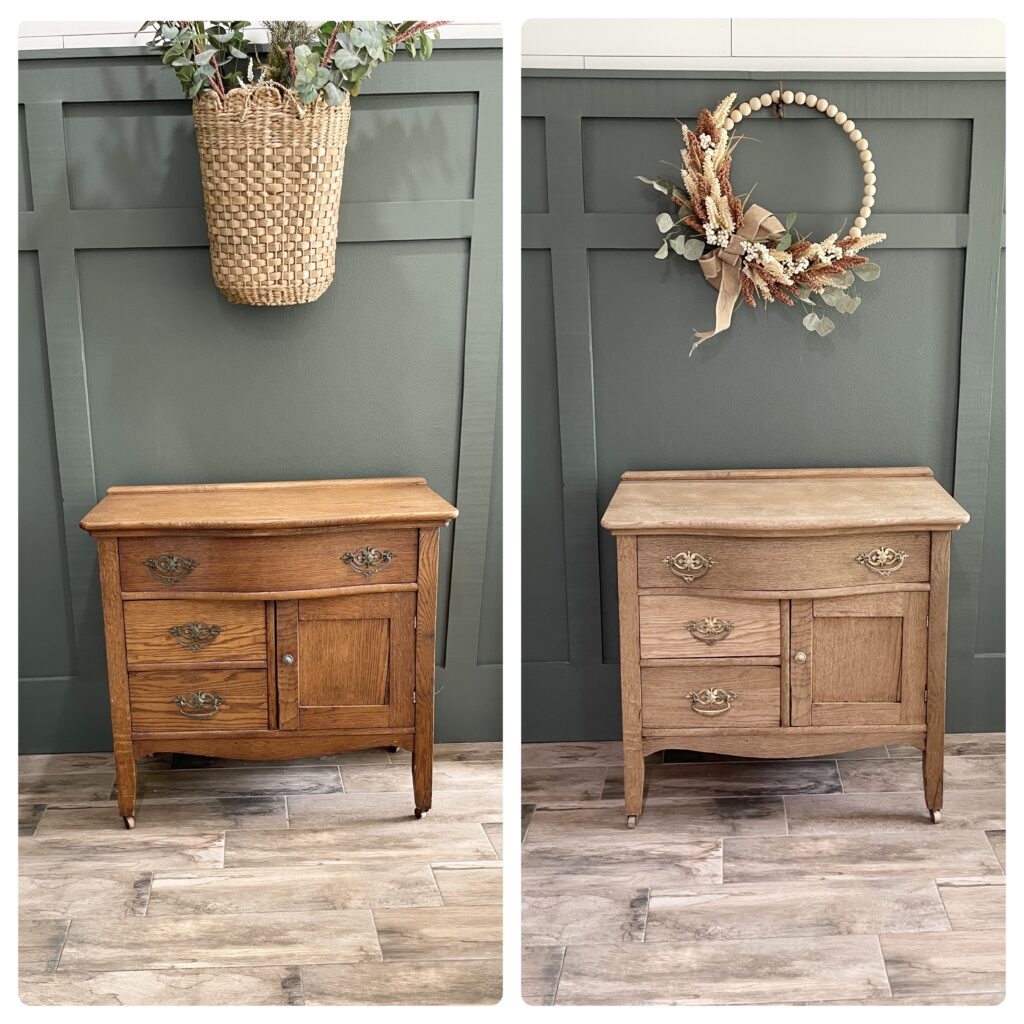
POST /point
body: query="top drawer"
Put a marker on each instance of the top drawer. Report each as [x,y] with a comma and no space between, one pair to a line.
[193,563]
[782,563]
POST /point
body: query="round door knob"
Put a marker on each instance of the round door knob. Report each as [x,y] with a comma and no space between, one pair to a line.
[799,657]
[288,659]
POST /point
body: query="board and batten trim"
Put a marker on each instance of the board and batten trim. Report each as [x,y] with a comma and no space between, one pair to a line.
[57,232]
[577,699]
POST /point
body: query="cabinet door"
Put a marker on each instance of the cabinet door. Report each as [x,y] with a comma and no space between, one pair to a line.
[346,662]
[859,660]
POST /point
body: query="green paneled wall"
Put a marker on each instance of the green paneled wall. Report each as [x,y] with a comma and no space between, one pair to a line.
[134,369]
[914,378]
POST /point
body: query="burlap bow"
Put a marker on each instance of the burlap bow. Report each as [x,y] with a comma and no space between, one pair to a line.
[721,266]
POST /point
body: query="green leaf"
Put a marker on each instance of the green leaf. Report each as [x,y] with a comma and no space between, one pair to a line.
[790,220]
[811,321]
[334,96]
[844,280]
[868,271]
[237,53]
[678,244]
[694,248]
[824,327]
[427,47]
[662,252]
[345,58]
[664,222]
[205,57]
[831,295]
[659,183]
[784,242]
[848,303]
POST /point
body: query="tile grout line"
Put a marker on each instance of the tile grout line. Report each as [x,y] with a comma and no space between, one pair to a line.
[942,903]
[433,875]
[60,952]
[558,978]
[988,839]
[885,966]
[647,914]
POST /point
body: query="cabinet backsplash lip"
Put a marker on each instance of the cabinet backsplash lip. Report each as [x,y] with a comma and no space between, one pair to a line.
[272,507]
[780,501]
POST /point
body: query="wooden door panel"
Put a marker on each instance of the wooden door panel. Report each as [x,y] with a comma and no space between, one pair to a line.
[857,659]
[344,662]
[865,660]
[354,661]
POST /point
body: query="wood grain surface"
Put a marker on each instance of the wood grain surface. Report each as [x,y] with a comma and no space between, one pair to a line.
[665,632]
[761,881]
[667,706]
[248,506]
[242,632]
[772,563]
[274,563]
[244,692]
[782,501]
[261,885]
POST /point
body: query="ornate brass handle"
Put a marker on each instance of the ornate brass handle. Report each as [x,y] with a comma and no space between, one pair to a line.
[882,560]
[689,565]
[711,702]
[709,630]
[198,704]
[194,635]
[368,561]
[170,569]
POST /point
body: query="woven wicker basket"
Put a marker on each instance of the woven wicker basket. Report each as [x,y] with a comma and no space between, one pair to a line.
[272,170]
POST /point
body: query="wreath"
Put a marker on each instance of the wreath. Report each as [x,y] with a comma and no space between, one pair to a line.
[743,249]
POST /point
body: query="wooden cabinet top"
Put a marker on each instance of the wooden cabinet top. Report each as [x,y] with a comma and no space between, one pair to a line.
[781,501]
[298,505]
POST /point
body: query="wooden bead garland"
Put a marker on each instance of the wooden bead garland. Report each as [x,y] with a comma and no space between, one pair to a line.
[855,135]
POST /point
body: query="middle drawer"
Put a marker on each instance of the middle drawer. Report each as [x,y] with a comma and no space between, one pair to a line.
[195,632]
[703,627]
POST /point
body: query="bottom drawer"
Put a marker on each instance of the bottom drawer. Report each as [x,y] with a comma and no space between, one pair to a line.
[168,701]
[666,702]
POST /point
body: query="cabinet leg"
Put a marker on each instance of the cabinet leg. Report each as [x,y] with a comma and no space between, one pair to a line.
[932,769]
[124,770]
[422,780]
[633,779]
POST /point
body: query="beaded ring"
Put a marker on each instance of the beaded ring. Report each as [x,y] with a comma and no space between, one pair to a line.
[822,105]
[745,250]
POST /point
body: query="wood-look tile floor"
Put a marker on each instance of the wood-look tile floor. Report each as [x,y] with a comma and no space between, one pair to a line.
[818,881]
[294,883]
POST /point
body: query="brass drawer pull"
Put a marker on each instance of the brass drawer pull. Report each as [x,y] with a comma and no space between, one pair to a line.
[882,560]
[198,704]
[709,630]
[689,565]
[711,702]
[194,635]
[170,569]
[368,561]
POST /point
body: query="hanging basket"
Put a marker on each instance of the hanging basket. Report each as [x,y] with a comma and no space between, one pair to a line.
[272,170]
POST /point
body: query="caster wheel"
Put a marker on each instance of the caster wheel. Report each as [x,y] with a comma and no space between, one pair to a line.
[936,817]
[129,820]
[631,821]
